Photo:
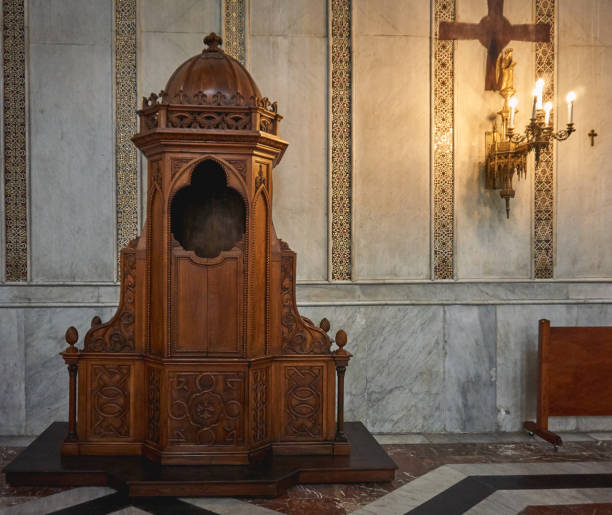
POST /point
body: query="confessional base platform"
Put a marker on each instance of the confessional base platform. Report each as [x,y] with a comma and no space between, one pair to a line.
[41,463]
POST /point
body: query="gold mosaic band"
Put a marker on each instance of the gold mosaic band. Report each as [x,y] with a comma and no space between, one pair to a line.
[126,103]
[341,152]
[234,29]
[544,179]
[443,145]
[14,130]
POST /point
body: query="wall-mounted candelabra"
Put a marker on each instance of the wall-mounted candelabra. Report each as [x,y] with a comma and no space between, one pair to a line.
[507,150]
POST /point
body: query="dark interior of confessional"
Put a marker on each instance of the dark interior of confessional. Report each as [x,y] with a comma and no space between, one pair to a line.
[207,216]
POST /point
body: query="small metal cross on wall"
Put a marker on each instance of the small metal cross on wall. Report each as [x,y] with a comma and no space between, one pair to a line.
[592,135]
[494,31]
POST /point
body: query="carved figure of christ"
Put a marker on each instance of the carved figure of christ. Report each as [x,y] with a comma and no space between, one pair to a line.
[494,32]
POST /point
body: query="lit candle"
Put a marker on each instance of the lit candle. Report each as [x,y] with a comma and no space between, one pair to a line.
[512,103]
[571,96]
[547,108]
[539,89]
[535,96]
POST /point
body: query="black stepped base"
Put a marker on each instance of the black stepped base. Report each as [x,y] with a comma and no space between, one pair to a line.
[41,464]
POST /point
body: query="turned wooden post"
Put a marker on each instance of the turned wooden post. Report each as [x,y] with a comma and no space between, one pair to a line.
[341,357]
[71,357]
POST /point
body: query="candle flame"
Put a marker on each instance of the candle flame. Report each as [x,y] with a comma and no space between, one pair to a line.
[571,96]
[513,102]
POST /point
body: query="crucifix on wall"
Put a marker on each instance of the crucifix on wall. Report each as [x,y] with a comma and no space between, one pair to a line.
[494,31]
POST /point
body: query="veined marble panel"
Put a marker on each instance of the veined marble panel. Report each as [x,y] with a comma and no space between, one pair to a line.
[517,362]
[172,32]
[392,18]
[392,178]
[584,181]
[46,376]
[488,244]
[470,340]
[12,372]
[405,368]
[71,142]
[288,60]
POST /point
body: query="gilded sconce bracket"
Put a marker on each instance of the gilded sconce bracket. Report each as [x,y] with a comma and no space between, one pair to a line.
[506,151]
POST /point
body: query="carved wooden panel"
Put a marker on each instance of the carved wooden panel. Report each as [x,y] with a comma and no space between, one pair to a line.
[259,389]
[206,408]
[110,401]
[298,336]
[117,335]
[208,120]
[153,403]
[210,324]
[303,402]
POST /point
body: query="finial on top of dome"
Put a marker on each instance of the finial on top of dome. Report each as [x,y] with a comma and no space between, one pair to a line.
[212,41]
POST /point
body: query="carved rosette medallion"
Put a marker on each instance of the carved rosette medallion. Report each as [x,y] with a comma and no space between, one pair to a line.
[303,402]
[153,404]
[206,408]
[110,393]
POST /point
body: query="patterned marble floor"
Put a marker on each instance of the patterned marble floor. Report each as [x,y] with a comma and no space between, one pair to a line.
[492,473]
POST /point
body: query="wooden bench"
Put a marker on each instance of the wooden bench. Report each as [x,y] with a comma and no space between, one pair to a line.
[575,375]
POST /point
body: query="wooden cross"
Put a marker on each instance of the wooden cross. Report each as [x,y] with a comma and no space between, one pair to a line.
[592,135]
[494,31]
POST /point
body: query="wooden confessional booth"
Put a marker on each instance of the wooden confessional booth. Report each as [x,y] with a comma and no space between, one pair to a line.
[207,360]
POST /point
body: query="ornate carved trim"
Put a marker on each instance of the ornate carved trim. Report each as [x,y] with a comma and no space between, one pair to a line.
[298,335]
[110,406]
[117,335]
[303,402]
[14,131]
[207,120]
[234,29]
[177,164]
[206,408]
[443,180]
[259,387]
[341,129]
[240,165]
[153,404]
[544,176]
[126,103]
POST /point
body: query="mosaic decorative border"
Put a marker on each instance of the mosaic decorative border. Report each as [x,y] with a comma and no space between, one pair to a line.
[234,29]
[544,180]
[126,103]
[341,152]
[443,145]
[14,118]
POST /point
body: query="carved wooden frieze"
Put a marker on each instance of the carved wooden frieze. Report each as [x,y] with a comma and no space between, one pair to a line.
[298,336]
[117,335]
[110,406]
[208,120]
[206,408]
[153,404]
[303,402]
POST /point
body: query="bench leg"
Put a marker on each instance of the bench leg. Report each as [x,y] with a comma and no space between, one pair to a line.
[545,434]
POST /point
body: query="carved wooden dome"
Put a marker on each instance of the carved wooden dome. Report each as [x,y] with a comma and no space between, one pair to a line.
[209,73]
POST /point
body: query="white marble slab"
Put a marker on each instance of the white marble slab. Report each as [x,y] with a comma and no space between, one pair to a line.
[58,501]
[12,372]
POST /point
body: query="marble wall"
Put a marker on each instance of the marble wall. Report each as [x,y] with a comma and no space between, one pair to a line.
[434,356]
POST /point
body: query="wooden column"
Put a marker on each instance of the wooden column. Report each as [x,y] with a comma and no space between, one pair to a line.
[71,357]
[341,358]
